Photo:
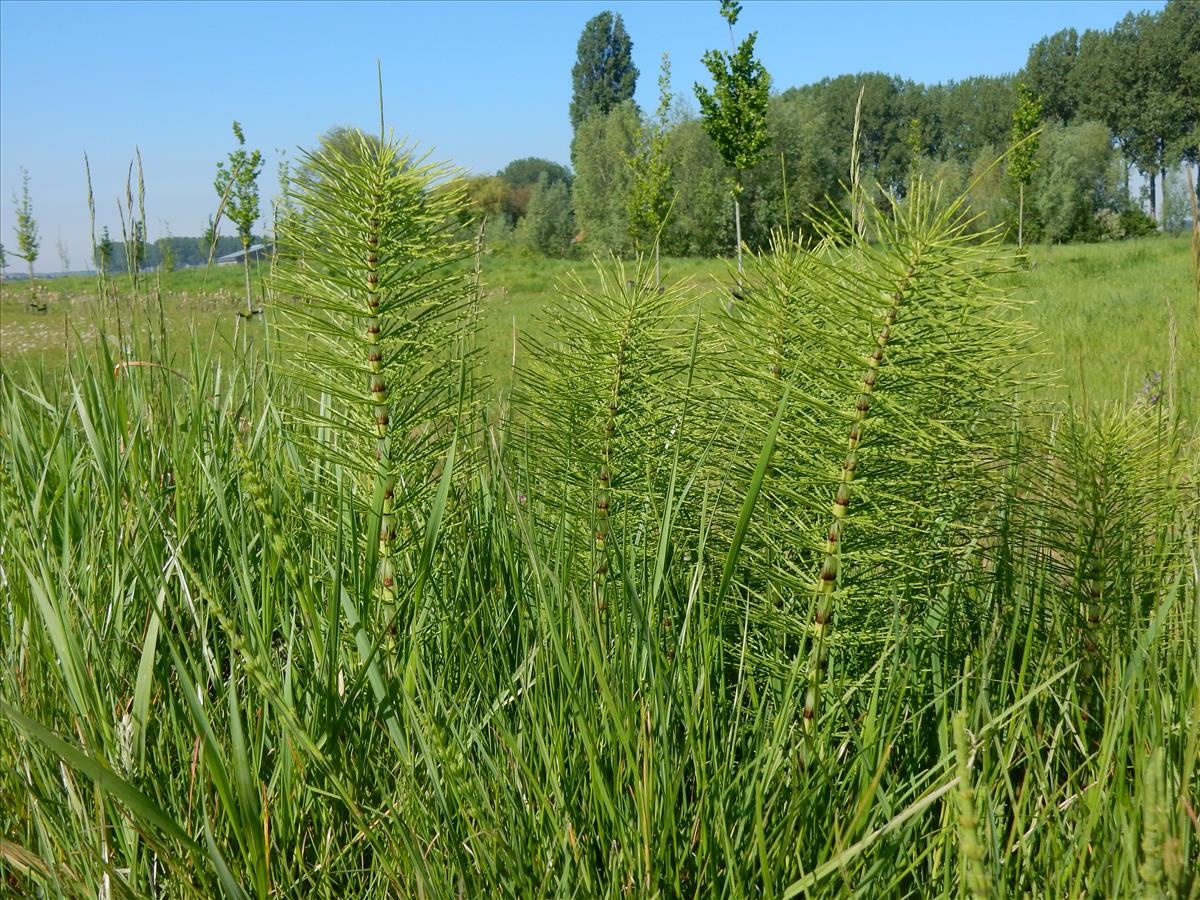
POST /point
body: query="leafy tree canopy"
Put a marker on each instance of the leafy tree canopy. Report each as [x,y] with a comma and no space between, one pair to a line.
[734,112]
[238,185]
[1048,73]
[604,75]
[526,172]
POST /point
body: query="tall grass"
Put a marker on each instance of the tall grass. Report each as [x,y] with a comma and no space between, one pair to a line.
[606,627]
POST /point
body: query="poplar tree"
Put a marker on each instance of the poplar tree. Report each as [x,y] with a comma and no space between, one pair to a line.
[105,251]
[734,114]
[1022,158]
[604,75]
[238,186]
[26,228]
[649,199]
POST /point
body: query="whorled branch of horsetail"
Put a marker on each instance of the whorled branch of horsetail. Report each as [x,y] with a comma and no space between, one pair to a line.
[826,585]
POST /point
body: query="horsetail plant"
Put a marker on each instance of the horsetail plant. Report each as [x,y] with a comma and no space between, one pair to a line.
[923,303]
[368,307]
[596,406]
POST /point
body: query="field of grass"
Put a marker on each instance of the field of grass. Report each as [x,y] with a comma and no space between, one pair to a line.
[1102,312]
[810,597]
[1108,314]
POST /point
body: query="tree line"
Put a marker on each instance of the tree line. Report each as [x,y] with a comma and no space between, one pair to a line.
[1098,106]
[165,252]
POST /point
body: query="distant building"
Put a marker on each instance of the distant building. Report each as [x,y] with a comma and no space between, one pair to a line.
[255,251]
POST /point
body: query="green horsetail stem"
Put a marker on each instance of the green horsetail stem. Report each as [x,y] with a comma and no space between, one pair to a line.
[979,885]
[377,395]
[826,584]
[604,477]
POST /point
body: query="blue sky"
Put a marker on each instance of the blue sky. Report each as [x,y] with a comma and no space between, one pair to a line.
[478,83]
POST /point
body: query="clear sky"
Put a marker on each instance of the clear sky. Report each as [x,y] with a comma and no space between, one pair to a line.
[479,83]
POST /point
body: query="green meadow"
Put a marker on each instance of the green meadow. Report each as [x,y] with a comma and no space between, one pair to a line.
[1102,312]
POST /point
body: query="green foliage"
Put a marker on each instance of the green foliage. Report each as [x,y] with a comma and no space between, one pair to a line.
[1049,71]
[208,239]
[205,697]
[888,106]
[1140,78]
[135,249]
[596,407]
[734,112]
[1135,223]
[368,313]
[601,150]
[975,112]
[604,76]
[238,185]
[104,252]
[548,226]
[528,171]
[787,190]
[1022,159]
[649,200]
[25,228]
[701,221]
[487,197]
[1078,175]
[166,254]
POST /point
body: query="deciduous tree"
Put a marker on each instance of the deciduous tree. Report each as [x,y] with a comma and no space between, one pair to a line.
[238,185]
[604,75]
[603,145]
[1048,74]
[735,111]
[1023,158]
[104,252]
[649,198]
[29,241]
[547,227]
[1075,180]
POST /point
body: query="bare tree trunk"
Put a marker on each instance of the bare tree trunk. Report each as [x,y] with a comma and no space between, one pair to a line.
[1163,180]
[1021,217]
[737,227]
[1153,198]
[246,267]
